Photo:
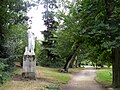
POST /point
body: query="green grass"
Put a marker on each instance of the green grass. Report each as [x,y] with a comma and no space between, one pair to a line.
[55,74]
[75,70]
[104,76]
[52,87]
[47,79]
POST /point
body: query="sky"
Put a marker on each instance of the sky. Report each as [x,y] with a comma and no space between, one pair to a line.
[37,22]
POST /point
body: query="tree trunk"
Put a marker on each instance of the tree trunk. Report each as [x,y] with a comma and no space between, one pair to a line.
[76,62]
[73,62]
[79,65]
[109,8]
[70,59]
[115,51]
[116,67]
[67,61]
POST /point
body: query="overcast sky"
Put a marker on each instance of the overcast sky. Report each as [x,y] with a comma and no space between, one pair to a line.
[37,22]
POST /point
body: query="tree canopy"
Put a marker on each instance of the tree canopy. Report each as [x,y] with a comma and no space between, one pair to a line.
[94,25]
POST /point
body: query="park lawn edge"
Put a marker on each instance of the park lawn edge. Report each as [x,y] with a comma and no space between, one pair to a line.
[104,77]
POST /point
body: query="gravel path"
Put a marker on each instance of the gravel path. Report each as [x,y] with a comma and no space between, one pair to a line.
[85,80]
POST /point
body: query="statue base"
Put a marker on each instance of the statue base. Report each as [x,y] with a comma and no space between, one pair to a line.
[29,75]
[29,67]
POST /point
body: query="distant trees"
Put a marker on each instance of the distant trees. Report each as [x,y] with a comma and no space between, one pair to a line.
[47,54]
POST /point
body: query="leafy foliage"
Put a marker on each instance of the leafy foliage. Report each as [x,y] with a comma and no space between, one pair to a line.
[12,33]
[88,23]
[93,24]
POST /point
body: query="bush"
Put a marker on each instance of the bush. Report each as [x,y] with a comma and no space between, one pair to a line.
[4,77]
[6,69]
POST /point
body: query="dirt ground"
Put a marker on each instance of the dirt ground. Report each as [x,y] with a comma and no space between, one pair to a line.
[84,80]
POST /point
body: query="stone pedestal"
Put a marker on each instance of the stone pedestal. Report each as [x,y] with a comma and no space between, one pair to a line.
[29,62]
[29,66]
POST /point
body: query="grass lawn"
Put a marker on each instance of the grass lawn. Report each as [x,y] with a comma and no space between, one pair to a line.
[104,76]
[47,79]
[54,73]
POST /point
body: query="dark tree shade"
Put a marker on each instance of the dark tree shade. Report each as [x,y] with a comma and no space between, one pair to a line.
[49,39]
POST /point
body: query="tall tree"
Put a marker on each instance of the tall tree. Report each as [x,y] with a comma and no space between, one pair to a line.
[96,24]
[49,38]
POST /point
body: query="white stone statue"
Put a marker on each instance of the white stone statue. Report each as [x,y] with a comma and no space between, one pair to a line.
[31,43]
[29,62]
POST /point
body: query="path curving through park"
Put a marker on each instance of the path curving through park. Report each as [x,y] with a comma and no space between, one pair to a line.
[84,80]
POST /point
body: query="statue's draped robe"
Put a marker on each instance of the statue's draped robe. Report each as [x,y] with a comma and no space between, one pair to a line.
[31,41]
